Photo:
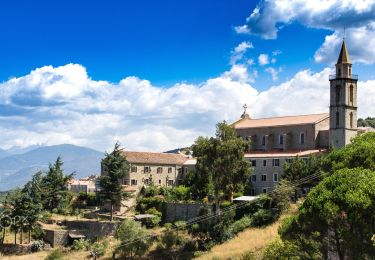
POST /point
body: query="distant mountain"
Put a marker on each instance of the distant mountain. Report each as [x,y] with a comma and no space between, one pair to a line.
[21,150]
[16,170]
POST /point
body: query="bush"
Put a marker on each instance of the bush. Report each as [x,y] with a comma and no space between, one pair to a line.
[37,246]
[150,191]
[145,204]
[81,244]
[98,249]
[152,222]
[262,217]
[181,193]
[56,254]
[37,232]
[240,225]
[45,216]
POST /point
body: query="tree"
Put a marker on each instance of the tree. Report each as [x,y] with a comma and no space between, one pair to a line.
[337,217]
[56,195]
[115,167]
[134,240]
[281,195]
[221,163]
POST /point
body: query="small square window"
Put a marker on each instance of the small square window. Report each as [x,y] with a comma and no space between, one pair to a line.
[159,170]
[134,182]
[253,178]
[169,169]
[134,168]
[254,163]
[275,177]
[147,169]
[170,182]
[276,162]
[289,160]
[264,177]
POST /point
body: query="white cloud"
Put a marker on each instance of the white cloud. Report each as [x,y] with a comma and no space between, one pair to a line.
[63,105]
[263,59]
[239,51]
[357,16]
[274,73]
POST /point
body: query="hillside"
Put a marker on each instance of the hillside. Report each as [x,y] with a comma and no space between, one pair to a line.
[16,170]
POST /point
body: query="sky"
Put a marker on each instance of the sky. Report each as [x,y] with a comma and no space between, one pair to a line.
[155,75]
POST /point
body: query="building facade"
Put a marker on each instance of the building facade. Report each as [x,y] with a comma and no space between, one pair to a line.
[276,141]
[85,185]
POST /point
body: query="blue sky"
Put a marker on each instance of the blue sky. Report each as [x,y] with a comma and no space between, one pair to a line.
[157,74]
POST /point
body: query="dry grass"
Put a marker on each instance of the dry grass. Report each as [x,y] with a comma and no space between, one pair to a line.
[252,239]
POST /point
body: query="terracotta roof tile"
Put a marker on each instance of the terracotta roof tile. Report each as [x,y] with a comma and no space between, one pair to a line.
[155,158]
[280,121]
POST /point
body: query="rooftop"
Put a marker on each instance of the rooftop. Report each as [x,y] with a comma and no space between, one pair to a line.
[280,121]
[155,158]
[278,153]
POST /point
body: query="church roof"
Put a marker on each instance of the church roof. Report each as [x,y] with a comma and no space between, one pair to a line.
[155,158]
[280,121]
[344,55]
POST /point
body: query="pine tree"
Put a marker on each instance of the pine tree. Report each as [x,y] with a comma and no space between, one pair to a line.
[115,167]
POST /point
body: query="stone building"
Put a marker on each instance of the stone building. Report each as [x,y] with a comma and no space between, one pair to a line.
[86,185]
[160,169]
[277,140]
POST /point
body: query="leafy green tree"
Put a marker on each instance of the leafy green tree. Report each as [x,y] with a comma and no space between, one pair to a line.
[115,167]
[134,240]
[369,121]
[281,195]
[221,163]
[337,217]
[56,195]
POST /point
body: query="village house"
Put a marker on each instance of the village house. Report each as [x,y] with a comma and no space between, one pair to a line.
[86,184]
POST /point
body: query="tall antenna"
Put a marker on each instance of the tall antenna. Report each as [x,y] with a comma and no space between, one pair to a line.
[344,33]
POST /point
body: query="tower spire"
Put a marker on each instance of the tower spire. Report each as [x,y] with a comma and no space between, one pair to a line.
[344,55]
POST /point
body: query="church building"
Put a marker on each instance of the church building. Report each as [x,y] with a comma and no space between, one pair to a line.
[277,140]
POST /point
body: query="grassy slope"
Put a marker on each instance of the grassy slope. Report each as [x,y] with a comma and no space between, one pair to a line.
[252,239]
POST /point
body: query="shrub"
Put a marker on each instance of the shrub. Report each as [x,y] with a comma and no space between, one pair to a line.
[151,191]
[240,225]
[37,232]
[45,216]
[81,244]
[181,193]
[37,246]
[147,203]
[56,254]
[98,249]
[152,222]
[262,217]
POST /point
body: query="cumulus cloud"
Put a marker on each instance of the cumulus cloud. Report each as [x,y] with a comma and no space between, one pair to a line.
[356,15]
[274,72]
[239,51]
[263,59]
[64,105]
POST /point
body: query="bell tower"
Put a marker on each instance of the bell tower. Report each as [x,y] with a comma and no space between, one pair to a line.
[343,102]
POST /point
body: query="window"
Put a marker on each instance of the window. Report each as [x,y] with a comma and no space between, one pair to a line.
[147,169]
[264,163]
[159,170]
[281,139]
[170,182]
[351,119]
[275,162]
[146,181]
[252,192]
[185,170]
[351,90]
[339,73]
[253,178]
[134,169]
[302,138]
[265,190]
[159,182]
[275,177]
[337,119]
[169,169]
[125,182]
[134,182]
[254,163]
[338,90]
[264,140]
[264,177]
[289,160]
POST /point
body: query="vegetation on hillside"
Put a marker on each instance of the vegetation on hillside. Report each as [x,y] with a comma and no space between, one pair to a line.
[369,121]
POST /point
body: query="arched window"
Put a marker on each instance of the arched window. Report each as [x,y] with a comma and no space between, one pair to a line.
[351,119]
[351,94]
[337,119]
[338,89]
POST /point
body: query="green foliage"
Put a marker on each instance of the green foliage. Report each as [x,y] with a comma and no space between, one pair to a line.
[80,244]
[56,254]
[278,249]
[37,246]
[55,193]
[37,232]
[369,121]
[249,256]
[360,153]
[181,193]
[152,222]
[240,225]
[86,200]
[221,166]
[98,249]
[133,239]
[337,215]
[281,196]
[115,167]
[262,217]
[145,204]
